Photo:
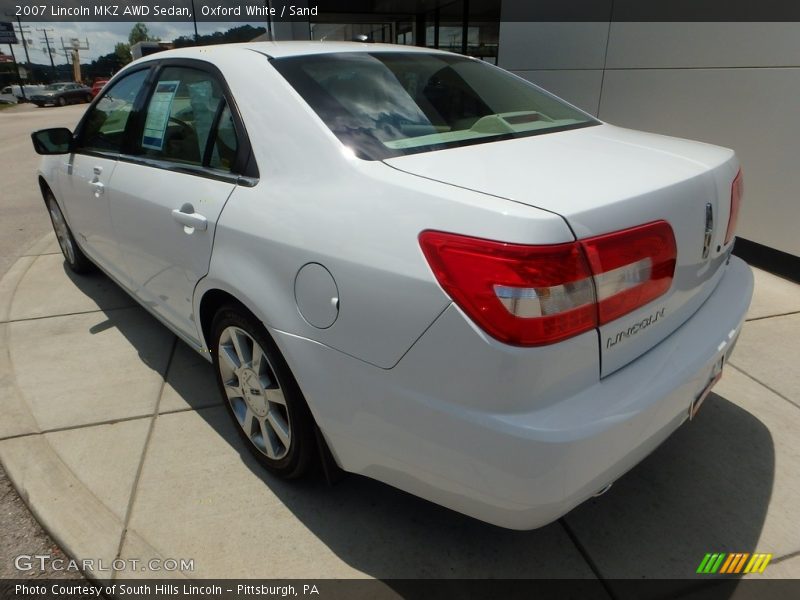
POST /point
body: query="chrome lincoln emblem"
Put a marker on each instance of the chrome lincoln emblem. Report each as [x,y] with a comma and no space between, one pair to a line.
[709,229]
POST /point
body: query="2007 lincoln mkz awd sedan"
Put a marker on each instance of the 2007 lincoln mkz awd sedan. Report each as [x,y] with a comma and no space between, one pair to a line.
[411,264]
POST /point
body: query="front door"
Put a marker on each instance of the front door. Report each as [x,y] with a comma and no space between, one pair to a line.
[170,193]
[85,174]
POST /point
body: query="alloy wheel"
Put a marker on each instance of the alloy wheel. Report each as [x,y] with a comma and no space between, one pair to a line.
[62,231]
[254,392]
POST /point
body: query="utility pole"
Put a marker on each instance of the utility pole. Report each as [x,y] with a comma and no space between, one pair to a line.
[50,51]
[73,51]
[270,28]
[67,54]
[194,21]
[16,68]
[22,29]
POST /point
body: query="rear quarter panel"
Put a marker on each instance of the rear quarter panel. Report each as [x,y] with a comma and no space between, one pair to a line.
[316,202]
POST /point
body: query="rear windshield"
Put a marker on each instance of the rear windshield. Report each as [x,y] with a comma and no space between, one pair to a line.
[386,104]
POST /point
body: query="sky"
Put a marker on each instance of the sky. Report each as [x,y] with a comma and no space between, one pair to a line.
[103,36]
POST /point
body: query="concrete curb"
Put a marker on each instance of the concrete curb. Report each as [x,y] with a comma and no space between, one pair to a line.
[46,485]
[68,511]
[71,514]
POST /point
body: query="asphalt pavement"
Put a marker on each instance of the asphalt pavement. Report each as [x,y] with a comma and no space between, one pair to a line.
[23,221]
[23,218]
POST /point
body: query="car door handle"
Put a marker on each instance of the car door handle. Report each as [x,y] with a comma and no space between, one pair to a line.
[98,186]
[186,216]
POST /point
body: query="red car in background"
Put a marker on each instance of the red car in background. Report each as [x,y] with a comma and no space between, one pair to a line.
[98,85]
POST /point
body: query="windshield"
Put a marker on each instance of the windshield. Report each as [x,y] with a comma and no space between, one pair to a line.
[54,87]
[386,104]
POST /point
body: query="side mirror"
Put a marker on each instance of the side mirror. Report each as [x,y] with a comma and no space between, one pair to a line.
[57,140]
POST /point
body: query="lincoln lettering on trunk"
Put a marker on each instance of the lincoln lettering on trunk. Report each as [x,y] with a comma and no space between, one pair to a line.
[635,328]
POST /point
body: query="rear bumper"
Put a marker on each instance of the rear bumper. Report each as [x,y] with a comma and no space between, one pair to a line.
[413,428]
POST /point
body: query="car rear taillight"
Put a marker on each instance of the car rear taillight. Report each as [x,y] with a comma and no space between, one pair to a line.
[522,295]
[536,295]
[737,191]
[631,267]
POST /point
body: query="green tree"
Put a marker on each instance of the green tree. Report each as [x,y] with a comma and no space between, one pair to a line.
[139,33]
[242,33]
[123,53]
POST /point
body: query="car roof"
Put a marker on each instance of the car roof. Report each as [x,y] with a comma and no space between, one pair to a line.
[287,48]
[298,48]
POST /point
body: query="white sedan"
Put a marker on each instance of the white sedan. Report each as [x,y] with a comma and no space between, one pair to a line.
[411,264]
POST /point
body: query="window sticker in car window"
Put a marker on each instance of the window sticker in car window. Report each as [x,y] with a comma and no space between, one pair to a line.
[204,107]
[155,125]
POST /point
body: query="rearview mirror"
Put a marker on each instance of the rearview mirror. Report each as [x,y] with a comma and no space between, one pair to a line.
[57,140]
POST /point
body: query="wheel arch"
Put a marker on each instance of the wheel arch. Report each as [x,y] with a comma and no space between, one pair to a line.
[210,301]
[210,296]
[44,187]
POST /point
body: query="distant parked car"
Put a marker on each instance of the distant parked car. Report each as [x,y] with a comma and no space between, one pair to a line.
[61,94]
[98,85]
[13,93]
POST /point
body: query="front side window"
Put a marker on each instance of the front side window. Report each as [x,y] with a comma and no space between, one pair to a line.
[105,124]
[384,104]
[180,116]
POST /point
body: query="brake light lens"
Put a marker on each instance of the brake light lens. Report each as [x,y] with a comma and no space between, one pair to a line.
[532,295]
[631,267]
[521,295]
[737,191]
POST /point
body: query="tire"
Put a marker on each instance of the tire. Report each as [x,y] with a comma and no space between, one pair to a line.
[262,396]
[75,258]
[61,101]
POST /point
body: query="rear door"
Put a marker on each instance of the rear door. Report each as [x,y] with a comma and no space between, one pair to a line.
[84,176]
[71,92]
[170,191]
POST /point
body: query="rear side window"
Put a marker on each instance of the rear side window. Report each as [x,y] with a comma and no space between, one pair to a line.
[105,123]
[180,118]
[225,144]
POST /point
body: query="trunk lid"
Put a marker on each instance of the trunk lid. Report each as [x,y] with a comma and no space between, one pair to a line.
[602,179]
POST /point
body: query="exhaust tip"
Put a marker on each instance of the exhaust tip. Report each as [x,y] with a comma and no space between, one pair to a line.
[603,490]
